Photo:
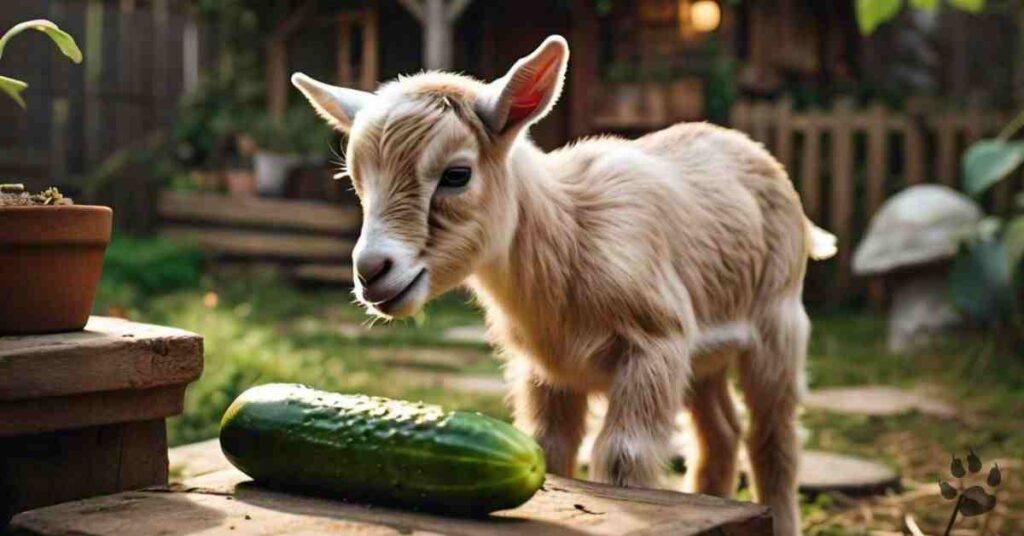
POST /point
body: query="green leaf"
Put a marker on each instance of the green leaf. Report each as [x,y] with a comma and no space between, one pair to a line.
[13,88]
[62,39]
[924,4]
[972,6]
[979,281]
[1013,243]
[989,161]
[872,13]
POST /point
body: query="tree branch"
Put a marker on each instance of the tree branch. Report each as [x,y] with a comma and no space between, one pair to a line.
[415,8]
[292,22]
[456,8]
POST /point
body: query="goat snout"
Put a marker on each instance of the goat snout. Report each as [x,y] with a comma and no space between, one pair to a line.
[373,266]
[389,280]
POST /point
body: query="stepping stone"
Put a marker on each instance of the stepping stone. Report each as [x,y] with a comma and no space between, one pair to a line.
[451,359]
[876,400]
[822,472]
[467,334]
[475,384]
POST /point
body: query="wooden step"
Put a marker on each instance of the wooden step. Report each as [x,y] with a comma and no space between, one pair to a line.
[251,245]
[325,274]
[312,216]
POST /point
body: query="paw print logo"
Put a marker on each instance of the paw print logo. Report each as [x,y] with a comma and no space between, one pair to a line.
[973,500]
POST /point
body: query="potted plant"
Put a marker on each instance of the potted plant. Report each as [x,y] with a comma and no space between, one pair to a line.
[283,144]
[51,250]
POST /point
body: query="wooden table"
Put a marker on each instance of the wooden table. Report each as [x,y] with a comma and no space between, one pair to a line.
[82,413]
[214,499]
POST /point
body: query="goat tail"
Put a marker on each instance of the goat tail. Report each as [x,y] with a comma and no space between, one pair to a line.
[821,244]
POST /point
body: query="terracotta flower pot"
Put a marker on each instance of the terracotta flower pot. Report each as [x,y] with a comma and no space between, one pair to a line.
[50,263]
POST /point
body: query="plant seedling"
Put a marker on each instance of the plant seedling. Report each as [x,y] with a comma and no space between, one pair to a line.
[62,39]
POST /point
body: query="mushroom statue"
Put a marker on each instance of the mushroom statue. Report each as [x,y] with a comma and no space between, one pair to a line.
[911,241]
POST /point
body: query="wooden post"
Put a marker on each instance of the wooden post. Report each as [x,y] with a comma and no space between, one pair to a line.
[946,153]
[913,148]
[810,170]
[842,191]
[878,171]
[437,17]
[344,62]
[784,133]
[583,76]
[369,64]
[277,59]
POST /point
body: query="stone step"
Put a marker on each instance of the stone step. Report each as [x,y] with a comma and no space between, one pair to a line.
[877,400]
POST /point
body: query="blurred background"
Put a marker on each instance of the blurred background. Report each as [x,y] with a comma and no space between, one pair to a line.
[896,120]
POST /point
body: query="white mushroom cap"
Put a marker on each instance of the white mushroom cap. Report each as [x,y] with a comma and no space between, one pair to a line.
[920,225]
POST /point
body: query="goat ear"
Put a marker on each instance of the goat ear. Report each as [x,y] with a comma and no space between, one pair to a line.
[528,91]
[337,105]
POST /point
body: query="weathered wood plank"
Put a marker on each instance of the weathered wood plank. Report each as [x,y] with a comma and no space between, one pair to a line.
[226,502]
[108,355]
[258,212]
[842,192]
[810,173]
[329,274]
[37,415]
[56,467]
[260,245]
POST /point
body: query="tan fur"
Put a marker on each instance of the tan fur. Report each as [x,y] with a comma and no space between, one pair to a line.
[638,270]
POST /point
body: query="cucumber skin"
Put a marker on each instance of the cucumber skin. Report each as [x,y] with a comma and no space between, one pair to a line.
[383,451]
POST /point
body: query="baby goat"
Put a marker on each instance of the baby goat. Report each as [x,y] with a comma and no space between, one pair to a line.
[640,270]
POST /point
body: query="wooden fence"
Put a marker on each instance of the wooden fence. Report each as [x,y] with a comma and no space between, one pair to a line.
[846,161]
[140,56]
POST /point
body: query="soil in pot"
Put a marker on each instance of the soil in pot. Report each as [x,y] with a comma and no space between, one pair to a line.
[51,256]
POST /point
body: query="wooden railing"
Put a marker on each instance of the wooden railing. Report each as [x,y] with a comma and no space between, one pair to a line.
[846,161]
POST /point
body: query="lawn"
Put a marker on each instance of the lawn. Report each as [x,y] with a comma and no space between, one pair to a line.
[258,329]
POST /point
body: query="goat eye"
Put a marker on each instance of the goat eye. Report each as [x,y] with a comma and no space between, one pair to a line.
[456,177]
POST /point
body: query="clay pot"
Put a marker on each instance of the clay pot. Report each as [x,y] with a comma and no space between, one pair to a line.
[50,264]
[241,182]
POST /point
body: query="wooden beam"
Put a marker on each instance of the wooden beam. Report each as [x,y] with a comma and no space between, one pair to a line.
[415,8]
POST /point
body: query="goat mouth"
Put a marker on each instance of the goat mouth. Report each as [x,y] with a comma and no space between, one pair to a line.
[390,304]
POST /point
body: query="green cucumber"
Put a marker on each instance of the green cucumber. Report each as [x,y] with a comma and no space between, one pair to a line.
[383,451]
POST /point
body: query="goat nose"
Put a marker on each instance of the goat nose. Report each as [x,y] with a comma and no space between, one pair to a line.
[372,266]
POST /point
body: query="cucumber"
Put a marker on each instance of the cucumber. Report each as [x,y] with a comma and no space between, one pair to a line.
[388,452]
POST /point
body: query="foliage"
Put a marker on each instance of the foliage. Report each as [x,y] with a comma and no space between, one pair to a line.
[62,39]
[873,13]
[985,281]
[209,119]
[136,270]
[298,132]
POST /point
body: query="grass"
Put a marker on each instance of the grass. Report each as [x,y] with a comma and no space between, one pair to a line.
[258,330]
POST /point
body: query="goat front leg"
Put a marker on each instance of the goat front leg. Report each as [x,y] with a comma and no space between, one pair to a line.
[555,417]
[642,404]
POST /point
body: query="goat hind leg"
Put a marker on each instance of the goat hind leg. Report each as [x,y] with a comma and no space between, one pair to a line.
[771,376]
[717,433]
